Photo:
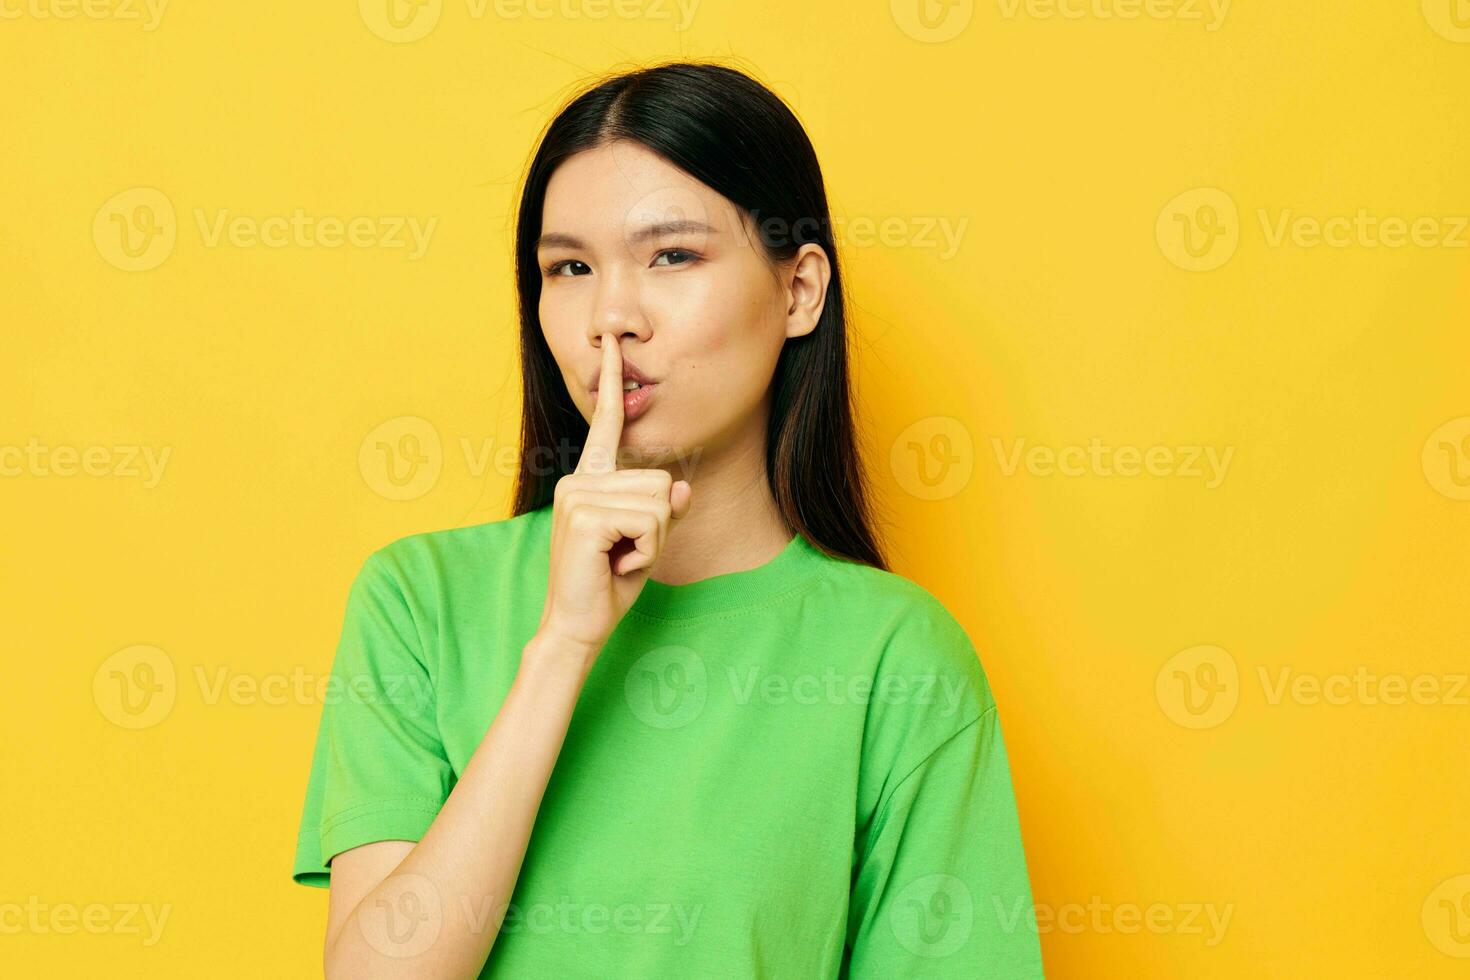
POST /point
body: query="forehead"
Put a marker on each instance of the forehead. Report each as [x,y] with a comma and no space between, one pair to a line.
[619,187]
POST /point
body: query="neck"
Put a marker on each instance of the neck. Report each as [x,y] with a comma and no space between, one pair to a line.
[733,523]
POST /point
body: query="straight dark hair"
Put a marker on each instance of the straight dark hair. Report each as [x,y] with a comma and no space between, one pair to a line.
[738,138]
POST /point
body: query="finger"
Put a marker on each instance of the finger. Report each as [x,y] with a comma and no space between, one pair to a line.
[604,527]
[653,482]
[633,500]
[606,428]
[681,495]
[656,505]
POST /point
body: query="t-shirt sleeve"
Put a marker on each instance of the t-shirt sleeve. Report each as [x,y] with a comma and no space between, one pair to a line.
[940,887]
[378,769]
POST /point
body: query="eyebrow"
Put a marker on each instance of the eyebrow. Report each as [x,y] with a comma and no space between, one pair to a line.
[554,239]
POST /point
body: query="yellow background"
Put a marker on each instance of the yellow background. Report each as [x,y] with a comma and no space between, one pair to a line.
[1334,834]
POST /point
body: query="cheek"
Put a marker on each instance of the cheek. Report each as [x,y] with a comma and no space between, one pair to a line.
[551,312]
[726,375]
[559,322]
[558,328]
[730,331]
[725,309]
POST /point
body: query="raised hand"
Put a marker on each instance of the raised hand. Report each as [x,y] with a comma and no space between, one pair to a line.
[608,526]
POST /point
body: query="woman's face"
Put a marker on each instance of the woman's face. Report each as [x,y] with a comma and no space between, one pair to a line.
[633,245]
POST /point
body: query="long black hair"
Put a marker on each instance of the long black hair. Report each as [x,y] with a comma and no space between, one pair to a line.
[734,135]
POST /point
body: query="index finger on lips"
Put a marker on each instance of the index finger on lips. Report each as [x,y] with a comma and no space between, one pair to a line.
[606,428]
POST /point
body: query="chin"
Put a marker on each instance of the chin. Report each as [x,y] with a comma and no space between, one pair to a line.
[649,452]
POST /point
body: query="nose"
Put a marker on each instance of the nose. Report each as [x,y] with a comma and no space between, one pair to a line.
[619,328]
[618,311]
[619,321]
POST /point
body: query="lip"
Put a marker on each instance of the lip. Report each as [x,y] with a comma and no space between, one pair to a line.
[635,402]
[630,373]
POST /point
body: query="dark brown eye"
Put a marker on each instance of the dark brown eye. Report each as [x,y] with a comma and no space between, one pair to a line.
[554,269]
[691,257]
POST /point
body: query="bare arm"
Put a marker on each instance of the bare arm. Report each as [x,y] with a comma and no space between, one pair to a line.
[468,861]
[432,910]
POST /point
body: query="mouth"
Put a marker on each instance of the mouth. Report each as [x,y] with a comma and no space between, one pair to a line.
[633,378]
[635,397]
[638,388]
[628,385]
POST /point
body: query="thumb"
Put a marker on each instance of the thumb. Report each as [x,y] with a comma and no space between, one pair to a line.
[680,497]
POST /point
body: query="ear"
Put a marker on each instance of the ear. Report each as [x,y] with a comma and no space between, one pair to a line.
[807,277]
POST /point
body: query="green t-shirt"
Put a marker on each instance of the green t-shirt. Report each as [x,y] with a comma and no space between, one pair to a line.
[793,771]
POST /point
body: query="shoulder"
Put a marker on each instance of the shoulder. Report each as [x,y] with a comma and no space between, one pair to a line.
[451,542]
[915,634]
[929,686]
[426,557]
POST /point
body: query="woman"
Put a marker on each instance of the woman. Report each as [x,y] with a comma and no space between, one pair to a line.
[675,718]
